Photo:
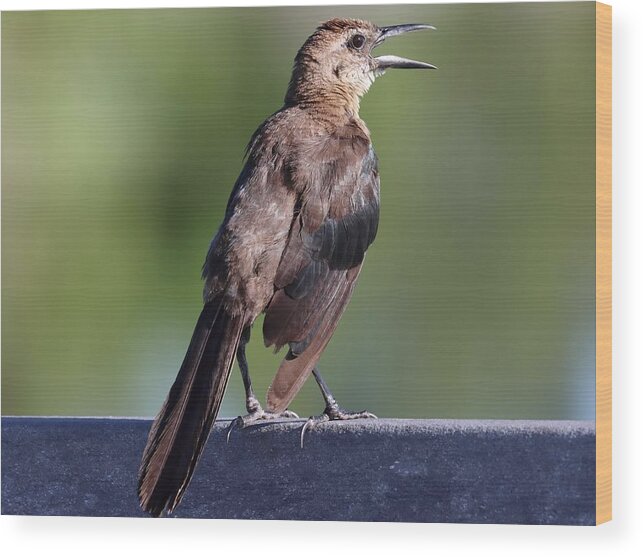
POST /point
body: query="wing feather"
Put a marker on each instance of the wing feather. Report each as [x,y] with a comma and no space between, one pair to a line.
[335,222]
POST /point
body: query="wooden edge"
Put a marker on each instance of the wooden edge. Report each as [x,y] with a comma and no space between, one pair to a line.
[87,467]
[603,263]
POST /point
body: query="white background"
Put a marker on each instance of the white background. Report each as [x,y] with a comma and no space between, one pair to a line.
[622,537]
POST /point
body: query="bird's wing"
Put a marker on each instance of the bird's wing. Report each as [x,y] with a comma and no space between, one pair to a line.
[336,220]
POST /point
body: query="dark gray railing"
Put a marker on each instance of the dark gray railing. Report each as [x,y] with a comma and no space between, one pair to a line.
[372,470]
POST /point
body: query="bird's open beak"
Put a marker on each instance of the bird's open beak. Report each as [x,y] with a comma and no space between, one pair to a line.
[391,61]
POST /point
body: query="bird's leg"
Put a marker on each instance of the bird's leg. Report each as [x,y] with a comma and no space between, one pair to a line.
[255,411]
[252,404]
[333,411]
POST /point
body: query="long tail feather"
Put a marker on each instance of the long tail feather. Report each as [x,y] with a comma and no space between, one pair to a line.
[181,428]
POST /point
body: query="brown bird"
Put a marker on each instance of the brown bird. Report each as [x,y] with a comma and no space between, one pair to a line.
[297,225]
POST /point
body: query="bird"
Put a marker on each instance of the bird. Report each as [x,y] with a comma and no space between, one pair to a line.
[300,218]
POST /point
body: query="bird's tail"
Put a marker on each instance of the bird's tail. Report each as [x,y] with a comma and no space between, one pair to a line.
[181,428]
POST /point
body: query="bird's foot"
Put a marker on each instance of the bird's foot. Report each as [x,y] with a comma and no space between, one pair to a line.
[331,413]
[256,414]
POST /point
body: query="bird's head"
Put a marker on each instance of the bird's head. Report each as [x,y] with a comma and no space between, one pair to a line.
[336,65]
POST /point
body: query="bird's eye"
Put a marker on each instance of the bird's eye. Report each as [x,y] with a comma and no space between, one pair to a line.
[357,41]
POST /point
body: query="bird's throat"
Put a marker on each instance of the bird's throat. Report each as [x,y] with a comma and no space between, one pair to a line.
[337,101]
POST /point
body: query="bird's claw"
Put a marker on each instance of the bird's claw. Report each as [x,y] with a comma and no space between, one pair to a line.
[332,413]
[311,422]
[257,414]
[233,424]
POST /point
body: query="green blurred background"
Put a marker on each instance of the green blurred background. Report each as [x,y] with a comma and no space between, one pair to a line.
[123,133]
